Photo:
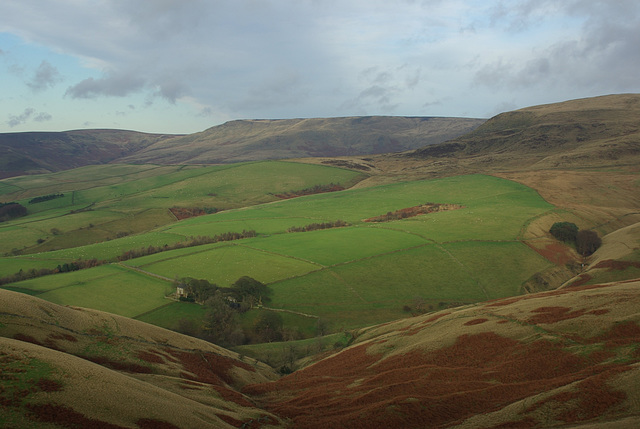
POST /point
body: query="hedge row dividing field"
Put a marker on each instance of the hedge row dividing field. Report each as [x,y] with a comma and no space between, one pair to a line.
[351,276]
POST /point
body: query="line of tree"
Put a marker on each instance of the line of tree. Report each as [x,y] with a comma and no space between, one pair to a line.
[32,273]
[45,198]
[413,211]
[11,210]
[315,226]
[586,241]
[317,189]
[194,241]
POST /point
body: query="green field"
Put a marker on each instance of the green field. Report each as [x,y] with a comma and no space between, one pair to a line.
[109,288]
[106,202]
[351,276]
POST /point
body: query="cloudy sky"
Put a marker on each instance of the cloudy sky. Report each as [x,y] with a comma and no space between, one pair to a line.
[181,66]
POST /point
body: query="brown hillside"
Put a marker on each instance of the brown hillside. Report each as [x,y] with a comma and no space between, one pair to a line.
[593,132]
[46,152]
[553,359]
[249,140]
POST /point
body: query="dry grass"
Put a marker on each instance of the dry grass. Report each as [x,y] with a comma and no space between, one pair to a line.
[106,363]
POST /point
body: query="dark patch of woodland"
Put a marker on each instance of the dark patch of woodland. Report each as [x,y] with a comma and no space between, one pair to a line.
[187,212]
[317,189]
[44,198]
[315,226]
[585,240]
[564,231]
[221,323]
[11,210]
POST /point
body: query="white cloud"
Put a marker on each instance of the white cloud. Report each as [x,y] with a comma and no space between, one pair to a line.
[290,58]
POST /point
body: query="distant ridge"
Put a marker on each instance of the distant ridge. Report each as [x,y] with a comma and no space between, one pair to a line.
[234,141]
[589,132]
[252,140]
[47,152]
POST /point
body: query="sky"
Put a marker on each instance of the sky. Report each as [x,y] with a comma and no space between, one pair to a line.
[182,66]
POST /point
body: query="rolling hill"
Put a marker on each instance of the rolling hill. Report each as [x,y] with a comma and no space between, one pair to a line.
[250,140]
[554,359]
[593,132]
[46,152]
[519,332]
[244,140]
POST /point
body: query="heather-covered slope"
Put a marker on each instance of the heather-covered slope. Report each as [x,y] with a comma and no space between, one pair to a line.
[249,140]
[47,152]
[558,358]
[561,358]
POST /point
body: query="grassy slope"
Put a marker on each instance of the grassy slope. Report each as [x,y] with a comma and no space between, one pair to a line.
[113,369]
[126,200]
[558,358]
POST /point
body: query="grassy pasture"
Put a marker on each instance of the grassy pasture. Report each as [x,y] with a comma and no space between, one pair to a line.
[168,315]
[499,267]
[212,225]
[111,249]
[223,265]
[339,245]
[108,288]
[139,199]
[352,276]
[10,266]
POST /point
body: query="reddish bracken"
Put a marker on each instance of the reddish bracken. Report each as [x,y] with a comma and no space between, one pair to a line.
[475,322]
[555,253]
[213,370]
[617,265]
[155,424]
[478,374]
[65,417]
[150,356]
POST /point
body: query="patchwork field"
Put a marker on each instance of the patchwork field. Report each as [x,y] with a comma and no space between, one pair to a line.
[106,202]
[352,276]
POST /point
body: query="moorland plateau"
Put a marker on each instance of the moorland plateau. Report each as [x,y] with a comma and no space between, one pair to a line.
[414,288]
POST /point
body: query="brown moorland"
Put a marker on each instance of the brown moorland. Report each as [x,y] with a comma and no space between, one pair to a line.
[556,358]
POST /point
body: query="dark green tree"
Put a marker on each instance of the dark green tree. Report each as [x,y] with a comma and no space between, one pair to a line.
[198,289]
[268,326]
[564,231]
[220,322]
[587,242]
[250,290]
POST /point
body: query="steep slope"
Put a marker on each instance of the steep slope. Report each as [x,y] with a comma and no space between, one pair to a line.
[249,140]
[558,359]
[46,152]
[591,132]
[68,365]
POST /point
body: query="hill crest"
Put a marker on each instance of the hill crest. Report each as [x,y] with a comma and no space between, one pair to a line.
[234,141]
